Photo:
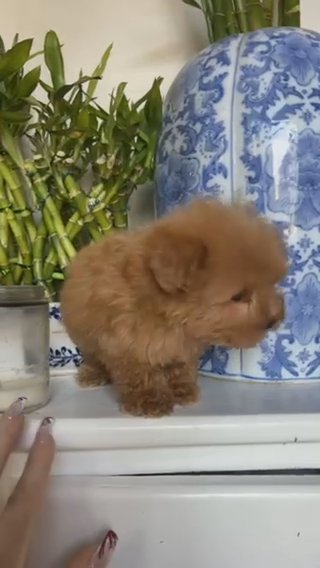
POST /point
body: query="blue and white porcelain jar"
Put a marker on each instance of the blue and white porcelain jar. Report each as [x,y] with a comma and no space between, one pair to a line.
[242,121]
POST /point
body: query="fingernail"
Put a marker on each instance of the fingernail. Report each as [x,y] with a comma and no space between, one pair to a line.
[16,408]
[104,553]
[45,428]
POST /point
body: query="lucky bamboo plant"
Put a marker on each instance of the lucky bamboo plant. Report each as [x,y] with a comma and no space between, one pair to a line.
[228,17]
[68,164]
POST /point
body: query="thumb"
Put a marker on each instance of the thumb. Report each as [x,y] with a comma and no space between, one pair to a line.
[95,555]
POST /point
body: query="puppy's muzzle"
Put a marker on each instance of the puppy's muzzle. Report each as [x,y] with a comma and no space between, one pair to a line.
[277,314]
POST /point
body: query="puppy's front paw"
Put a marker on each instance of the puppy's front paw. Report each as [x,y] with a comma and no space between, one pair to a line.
[151,402]
[92,375]
[182,380]
[185,393]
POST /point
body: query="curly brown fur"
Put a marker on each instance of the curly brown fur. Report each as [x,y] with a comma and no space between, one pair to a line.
[142,306]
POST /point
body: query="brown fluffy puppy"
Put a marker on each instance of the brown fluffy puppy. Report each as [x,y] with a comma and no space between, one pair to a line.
[142,306]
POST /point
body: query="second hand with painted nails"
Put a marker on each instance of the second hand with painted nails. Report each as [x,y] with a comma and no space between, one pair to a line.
[104,553]
[29,495]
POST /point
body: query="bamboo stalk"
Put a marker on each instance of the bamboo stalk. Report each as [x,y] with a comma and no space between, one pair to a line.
[53,217]
[14,260]
[97,205]
[74,225]
[81,201]
[4,205]
[241,15]
[267,7]
[276,13]
[291,13]
[20,237]
[218,19]
[38,261]
[102,216]
[37,253]
[207,10]
[50,264]
[19,201]
[54,238]
[231,19]
[20,259]
[255,15]
[58,276]
[119,213]
[5,274]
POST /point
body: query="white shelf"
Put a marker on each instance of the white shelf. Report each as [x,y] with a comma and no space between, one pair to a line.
[236,426]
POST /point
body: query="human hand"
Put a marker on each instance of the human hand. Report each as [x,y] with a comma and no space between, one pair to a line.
[19,516]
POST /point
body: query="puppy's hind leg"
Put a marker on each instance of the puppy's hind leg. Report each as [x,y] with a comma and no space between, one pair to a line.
[92,373]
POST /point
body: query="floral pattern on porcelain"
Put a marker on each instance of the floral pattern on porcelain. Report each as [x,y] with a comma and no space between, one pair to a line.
[242,121]
[63,354]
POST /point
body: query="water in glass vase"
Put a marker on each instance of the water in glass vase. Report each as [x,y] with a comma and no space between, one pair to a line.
[24,346]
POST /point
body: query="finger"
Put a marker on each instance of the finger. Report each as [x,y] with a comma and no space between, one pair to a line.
[94,556]
[11,427]
[17,519]
[33,483]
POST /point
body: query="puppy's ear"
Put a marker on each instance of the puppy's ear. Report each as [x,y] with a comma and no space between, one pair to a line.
[175,260]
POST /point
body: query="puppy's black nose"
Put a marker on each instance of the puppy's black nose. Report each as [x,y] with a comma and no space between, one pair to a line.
[272,323]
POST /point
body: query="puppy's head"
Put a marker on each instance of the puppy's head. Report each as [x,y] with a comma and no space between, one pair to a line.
[214,269]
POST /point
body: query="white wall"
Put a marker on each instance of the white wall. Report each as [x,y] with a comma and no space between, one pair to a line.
[151,38]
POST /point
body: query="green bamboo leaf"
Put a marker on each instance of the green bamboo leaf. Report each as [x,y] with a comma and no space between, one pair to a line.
[116,99]
[75,91]
[153,106]
[290,13]
[123,110]
[36,54]
[11,84]
[83,119]
[14,117]
[98,72]
[10,145]
[73,134]
[99,111]
[15,39]
[60,93]
[46,87]
[36,104]
[15,58]
[145,97]
[29,82]
[2,46]
[294,10]
[192,3]
[54,59]
[93,122]
[76,105]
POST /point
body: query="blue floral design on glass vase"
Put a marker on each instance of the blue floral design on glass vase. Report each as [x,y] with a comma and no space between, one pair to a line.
[242,120]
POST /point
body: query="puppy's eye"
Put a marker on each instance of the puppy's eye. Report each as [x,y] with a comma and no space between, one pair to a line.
[240,297]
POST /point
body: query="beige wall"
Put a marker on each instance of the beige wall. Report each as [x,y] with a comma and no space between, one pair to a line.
[151,37]
[310,14]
